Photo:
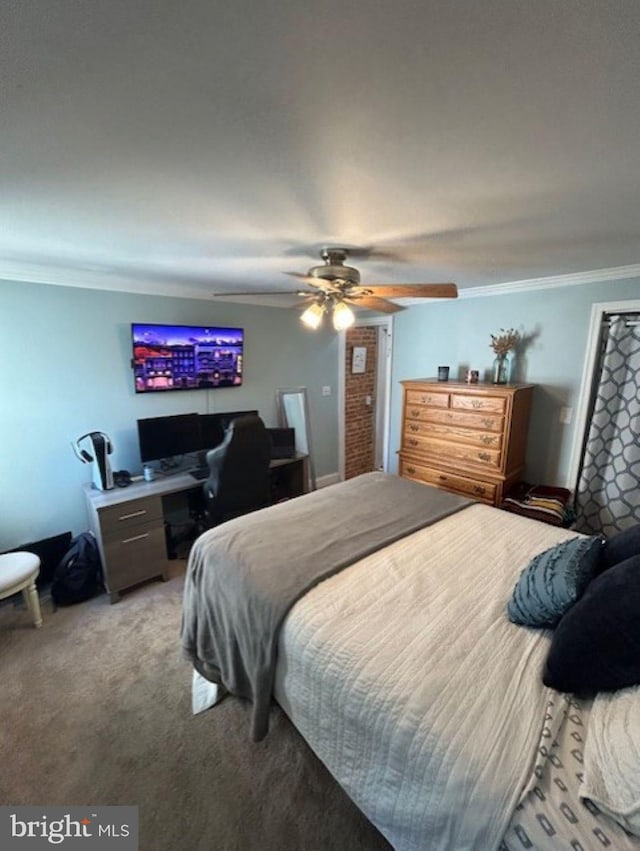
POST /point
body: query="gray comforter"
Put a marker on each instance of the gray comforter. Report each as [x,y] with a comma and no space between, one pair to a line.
[245,575]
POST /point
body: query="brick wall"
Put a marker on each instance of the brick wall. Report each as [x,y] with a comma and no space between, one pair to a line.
[359,417]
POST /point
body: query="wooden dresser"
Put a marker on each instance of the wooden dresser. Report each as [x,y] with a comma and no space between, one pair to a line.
[466,438]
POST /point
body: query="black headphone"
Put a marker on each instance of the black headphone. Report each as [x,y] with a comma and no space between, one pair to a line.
[82,454]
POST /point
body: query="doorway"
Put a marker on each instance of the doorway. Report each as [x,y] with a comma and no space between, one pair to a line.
[364,388]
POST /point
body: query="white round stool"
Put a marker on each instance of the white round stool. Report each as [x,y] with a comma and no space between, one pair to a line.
[18,572]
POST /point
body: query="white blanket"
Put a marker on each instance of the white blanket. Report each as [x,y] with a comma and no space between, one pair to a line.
[612,757]
[408,681]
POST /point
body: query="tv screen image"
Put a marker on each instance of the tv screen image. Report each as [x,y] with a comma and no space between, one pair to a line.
[186,357]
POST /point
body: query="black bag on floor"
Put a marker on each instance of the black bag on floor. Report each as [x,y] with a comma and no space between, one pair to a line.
[78,577]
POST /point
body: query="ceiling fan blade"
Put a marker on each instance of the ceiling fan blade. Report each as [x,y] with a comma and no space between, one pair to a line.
[319,283]
[304,303]
[264,292]
[373,303]
[297,275]
[415,290]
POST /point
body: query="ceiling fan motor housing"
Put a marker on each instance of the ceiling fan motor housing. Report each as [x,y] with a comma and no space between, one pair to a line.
[334,268]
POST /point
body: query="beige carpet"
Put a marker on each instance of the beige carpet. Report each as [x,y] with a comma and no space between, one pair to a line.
[95,709]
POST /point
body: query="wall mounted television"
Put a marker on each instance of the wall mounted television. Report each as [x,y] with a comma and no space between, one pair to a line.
[186,357]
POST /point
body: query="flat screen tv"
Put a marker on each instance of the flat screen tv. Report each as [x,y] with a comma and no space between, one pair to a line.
[186,357]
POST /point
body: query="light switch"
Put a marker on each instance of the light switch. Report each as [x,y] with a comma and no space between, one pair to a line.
[326,390]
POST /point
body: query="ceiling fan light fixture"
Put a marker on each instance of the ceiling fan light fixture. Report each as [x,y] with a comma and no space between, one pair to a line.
[312,316]
[343,316]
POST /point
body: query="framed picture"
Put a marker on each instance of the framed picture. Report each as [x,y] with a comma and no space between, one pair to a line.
[359,362]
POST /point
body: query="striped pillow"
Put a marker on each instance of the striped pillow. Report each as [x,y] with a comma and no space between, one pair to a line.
[553,581]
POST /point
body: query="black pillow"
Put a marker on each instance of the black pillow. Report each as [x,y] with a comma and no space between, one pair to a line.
[596,645]
[620,547]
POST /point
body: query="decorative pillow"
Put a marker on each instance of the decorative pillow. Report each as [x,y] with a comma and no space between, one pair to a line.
[611,772]
[596,645]
[620,547]
[553,581]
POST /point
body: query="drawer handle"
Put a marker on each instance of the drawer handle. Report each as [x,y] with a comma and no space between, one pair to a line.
[484,456]
[414,427]
[133,514]
[443,478]
[476,403]
[411,470]
[487,439]
[479,489]
[415,413]
[413,441]
[135,538]
[487,422]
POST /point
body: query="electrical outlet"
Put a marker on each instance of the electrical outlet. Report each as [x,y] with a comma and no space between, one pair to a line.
[566,414]
[326,390]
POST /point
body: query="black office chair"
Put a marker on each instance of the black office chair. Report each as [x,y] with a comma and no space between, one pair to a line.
[238,471]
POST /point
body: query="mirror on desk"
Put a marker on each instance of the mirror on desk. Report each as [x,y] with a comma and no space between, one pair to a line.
[293,412]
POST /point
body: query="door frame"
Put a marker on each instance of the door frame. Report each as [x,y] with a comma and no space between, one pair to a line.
[598,311]
[386,323]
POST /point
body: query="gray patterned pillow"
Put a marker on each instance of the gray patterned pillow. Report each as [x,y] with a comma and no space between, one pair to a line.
[553,581]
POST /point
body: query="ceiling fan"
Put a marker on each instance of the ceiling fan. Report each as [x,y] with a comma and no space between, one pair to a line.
[335,286]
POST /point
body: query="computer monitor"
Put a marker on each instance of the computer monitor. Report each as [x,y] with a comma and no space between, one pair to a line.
[283,442]
[166,437]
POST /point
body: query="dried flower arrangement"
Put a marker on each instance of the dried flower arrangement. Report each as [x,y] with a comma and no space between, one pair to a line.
[505,341]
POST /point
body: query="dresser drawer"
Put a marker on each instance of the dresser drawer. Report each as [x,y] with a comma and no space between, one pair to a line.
[457,434]
[484,421]
[459,452]
[429,398]
[135,556]
[492,404]
[476,489]
[116,518]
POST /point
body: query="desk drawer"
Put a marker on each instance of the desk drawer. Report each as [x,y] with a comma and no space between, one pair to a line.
[127,515]
[133,557]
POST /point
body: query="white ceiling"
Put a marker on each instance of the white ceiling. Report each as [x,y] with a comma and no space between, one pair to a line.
[208,145]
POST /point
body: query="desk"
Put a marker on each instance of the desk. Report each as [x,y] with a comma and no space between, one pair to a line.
[129,523]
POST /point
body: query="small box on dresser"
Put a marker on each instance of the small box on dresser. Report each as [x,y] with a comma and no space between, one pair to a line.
[466,438]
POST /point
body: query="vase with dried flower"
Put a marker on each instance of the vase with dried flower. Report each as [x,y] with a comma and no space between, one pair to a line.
[502,344]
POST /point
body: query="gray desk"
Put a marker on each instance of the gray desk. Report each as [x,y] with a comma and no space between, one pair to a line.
[129,523]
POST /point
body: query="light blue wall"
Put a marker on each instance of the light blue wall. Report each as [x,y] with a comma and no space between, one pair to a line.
[458,334]
[66,370]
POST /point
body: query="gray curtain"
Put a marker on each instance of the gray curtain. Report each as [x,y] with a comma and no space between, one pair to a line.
[608,494]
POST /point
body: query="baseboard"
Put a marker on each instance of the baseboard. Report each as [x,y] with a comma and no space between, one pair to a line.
[329,479]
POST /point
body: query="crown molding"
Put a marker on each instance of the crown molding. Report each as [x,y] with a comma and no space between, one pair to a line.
[39,274]
[573,279]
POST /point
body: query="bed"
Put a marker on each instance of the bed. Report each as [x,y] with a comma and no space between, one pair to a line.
[400,668]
